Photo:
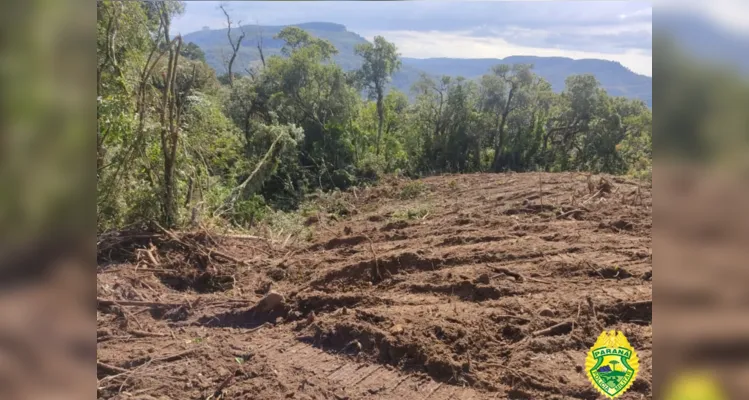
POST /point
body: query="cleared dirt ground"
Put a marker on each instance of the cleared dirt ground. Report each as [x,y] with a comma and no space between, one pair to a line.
[443,289]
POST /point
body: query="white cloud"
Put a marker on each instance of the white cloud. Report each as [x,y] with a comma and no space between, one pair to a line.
[644,12]
[460,44]
[571,31]
[599,38]
[611,30]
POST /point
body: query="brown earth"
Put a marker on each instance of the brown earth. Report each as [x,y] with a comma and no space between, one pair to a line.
[441,289]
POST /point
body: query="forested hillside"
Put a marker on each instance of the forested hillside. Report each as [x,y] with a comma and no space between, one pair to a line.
[616,79]
[613,77]
[177,145]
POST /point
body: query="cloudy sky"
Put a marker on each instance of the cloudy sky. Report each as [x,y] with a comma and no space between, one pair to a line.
[611,30]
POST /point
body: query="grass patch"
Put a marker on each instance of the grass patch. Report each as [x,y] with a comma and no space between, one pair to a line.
[286,227]
[335,203]
[411,213]
[413,190]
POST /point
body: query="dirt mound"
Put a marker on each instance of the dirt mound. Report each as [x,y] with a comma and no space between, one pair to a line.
[483,286]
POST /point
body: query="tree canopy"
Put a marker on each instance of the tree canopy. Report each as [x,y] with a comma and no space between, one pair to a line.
[177,144]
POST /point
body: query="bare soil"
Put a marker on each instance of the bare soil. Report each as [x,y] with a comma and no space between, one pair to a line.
[483,286]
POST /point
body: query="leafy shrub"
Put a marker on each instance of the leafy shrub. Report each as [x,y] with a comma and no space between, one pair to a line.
[248,213]
[343,179]
[413,190]
[283,226]
[370,168]
[333,203]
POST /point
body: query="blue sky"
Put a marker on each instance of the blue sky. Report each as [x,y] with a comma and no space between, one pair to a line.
[612,30]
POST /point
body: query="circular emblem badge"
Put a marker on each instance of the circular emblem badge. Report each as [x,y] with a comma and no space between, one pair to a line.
[612,364]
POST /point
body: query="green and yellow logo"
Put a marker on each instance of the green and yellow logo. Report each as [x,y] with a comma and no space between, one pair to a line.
[612,364]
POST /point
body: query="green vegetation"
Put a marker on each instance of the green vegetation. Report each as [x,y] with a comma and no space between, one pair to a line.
[411,213]
[615,78]
[177,145]
[413,190]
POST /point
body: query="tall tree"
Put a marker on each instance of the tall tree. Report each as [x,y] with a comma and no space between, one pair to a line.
[576,109]
[380,62]
[233,43]
[169,120]
[509,81]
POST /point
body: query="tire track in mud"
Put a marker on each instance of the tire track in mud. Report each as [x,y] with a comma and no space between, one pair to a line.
[355,379]
[449,267]
[409,262]
[423,313]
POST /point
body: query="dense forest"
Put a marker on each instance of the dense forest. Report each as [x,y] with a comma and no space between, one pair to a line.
[178,144]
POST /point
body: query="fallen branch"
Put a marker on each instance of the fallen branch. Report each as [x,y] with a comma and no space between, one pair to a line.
[138,333]
[131,315]
[593,196]
[174,357]
[594,269]
[169,233]
[111,368]
[142,362]
[227,257]
[238,236]
[247,187]
[568,213]
[150,269]
[592,309]
[223,385]
[558,329]
[640,303]
[577,320]
[106,338]
[103,302]
[507,272]
[257,328]
[149,255]
[376,275]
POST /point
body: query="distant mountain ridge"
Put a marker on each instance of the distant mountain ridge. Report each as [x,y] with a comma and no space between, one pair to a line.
[615,78]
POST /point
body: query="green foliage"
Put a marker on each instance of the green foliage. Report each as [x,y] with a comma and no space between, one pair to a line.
[192,51]
[413,190]
[247,213]
[282,226]
[410,213]
[371,167]
[334,203]
[249,155]
[343,179]
[380,61]
[297,39]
